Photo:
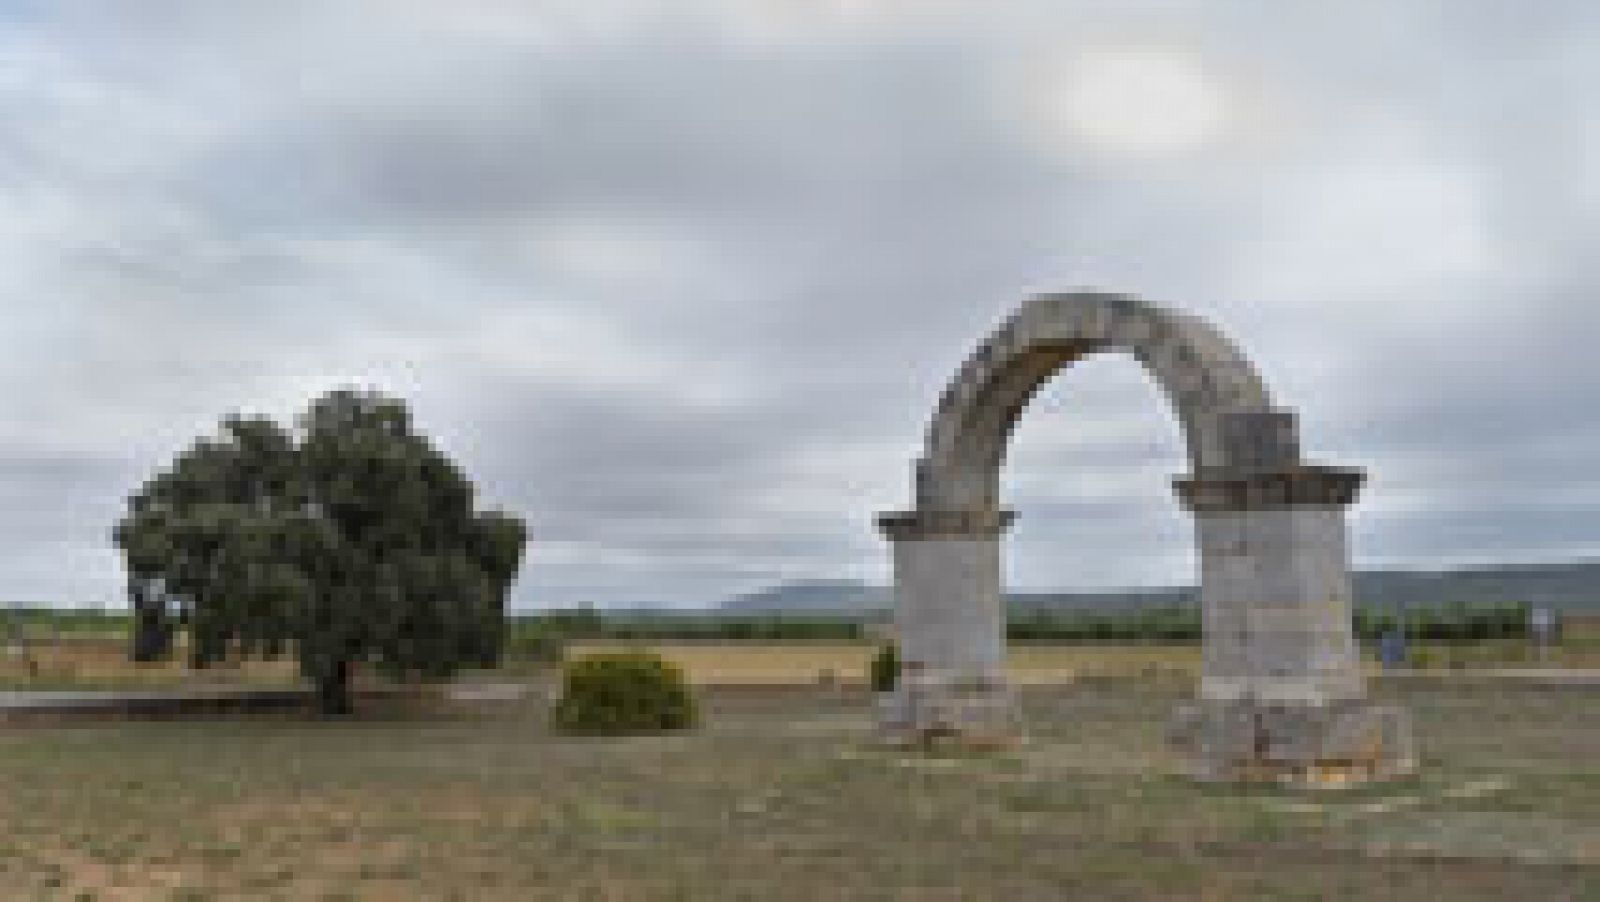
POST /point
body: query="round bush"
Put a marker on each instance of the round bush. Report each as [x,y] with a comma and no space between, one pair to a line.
[623,692]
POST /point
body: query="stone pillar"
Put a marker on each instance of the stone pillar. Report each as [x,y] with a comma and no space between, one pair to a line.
[1282,696]
[950,628]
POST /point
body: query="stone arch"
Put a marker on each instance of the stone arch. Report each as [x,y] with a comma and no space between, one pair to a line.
[1201,373]
[1281,692]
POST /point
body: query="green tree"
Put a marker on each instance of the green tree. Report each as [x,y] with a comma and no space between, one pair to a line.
[348,539]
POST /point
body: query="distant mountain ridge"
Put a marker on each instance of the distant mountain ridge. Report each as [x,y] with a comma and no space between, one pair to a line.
[811,596]
[1568,586]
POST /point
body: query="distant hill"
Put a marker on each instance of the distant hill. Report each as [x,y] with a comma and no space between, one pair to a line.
[1571,587]
[815,597]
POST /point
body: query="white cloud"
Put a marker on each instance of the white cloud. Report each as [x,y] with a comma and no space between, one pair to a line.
[1369,231]
[682,282]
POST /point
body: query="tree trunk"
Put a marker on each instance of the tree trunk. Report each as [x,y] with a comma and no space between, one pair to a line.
[152,632]
[333,690]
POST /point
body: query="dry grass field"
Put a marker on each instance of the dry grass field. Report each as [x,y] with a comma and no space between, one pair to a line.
[778,663]
[95,661]
[756,664]
[90,661]
[780,795]
[101,662]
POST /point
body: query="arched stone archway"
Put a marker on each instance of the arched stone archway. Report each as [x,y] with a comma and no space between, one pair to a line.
[1281,694]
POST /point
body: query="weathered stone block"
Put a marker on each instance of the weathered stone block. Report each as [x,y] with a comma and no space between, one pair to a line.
[1334,744]
[942,707]
[1260,440]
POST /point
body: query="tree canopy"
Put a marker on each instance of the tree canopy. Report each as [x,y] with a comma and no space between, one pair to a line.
[348,538]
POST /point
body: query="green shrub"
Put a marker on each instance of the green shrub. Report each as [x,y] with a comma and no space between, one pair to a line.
[1424,657]
[885,674]
[624,692]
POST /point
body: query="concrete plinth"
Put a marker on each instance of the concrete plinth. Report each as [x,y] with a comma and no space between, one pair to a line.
[927,709]
[1282,697]
[950,628]
[1329,745]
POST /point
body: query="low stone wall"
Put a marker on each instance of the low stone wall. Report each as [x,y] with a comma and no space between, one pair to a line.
[54,708]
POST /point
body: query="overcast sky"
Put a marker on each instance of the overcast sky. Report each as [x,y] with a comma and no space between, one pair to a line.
[680,282]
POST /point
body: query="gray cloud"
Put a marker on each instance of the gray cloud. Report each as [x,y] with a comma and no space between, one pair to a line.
[682,286]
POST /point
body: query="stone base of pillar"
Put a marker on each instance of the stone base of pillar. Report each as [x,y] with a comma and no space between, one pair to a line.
[928,710]
[1343,743]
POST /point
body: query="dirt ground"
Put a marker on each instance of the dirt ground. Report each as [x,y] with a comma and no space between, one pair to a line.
[780,794]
